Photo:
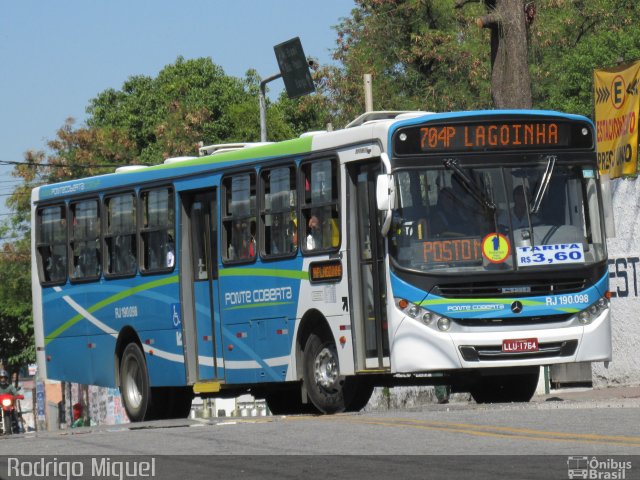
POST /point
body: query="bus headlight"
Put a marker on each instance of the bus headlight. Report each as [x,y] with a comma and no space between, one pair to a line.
[589,314]
[421,314]
[444,324]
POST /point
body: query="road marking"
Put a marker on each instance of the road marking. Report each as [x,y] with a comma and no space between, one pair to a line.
[495,431]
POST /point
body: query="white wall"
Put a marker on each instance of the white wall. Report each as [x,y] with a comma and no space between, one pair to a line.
[624,272]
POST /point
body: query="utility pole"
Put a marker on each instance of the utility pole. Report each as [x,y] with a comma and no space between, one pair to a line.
[368,93]
[263,105]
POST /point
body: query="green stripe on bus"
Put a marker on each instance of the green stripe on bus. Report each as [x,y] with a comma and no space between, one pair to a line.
[114,298]
[527,303]
[443,301]
[288,147]
[264,272]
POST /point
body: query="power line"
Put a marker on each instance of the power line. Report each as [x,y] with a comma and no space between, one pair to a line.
[42,165]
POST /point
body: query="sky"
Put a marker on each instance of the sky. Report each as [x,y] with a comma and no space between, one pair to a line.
[55,56]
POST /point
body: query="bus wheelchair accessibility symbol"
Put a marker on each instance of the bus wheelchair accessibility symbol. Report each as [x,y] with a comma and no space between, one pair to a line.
[175,315]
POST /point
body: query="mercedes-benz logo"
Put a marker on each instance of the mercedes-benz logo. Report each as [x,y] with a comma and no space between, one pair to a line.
[516,307]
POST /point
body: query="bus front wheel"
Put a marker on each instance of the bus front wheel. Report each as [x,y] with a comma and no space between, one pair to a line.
[134,384]
[322,375]
[506,388]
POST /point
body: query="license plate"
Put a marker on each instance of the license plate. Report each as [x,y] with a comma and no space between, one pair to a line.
[520,345]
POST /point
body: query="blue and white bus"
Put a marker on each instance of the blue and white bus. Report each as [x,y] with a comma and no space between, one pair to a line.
[408,248]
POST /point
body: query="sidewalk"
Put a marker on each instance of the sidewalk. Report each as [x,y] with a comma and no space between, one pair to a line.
[630,393]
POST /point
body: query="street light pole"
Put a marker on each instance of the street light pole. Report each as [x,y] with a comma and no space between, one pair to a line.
[263,105]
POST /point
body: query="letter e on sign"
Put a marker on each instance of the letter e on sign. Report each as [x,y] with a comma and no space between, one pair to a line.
[618,90]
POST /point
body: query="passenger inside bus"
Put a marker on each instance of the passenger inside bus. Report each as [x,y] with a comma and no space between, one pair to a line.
[314,233]
[54,269]
[293,234]
[519,217]
[244,240]
[444,213]
[171,252]
[453,215]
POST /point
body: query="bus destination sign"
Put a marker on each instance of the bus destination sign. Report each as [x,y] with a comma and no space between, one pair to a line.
[456,251]
[491,136]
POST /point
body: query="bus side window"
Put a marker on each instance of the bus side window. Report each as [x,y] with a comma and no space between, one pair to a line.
[320,213]
[85,240]
[120,235]
[157,232]
[239,218]
[279,212]
[51,228]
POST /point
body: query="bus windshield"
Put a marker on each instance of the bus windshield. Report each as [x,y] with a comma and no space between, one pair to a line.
[496,218]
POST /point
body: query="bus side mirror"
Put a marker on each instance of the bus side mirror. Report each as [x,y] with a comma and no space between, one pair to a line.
[607,205]
[385,199]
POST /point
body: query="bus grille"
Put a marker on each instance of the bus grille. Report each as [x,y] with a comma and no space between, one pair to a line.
[511,289]
[512,321]
[488,353]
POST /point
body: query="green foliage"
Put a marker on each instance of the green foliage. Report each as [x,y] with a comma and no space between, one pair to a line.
[423,55]
[428,55]
[16,325]
[188,102]
[572,39]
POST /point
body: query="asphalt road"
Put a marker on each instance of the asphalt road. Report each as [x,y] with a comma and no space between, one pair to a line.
[535,440]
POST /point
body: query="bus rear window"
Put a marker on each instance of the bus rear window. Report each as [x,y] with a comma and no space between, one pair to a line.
[52,244]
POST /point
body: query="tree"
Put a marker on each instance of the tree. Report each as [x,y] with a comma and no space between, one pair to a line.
[508,21]
[188,102]
[423,54]
[16,324]
[429,55]
[571,39]
[144,122]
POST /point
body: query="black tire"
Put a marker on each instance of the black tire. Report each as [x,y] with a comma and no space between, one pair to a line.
[321,374]
[182,398]
[171,402]
[358,393]
[6,422]
[134,384]
[506,388]
[288,401]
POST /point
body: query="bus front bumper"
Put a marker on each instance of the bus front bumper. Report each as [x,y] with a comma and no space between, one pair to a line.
[416,347]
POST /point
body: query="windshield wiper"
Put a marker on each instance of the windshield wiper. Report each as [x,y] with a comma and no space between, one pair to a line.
[544,184]
[474,189]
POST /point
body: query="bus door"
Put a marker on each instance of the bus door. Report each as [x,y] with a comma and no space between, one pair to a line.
[366,264]
[202,329]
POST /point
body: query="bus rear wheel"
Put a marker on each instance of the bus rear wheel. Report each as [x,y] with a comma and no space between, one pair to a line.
[134,384]
[517,387]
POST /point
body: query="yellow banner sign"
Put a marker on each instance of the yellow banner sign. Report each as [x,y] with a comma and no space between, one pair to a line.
[617,94]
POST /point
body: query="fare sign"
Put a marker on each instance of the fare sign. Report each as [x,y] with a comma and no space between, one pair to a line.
[520,345]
